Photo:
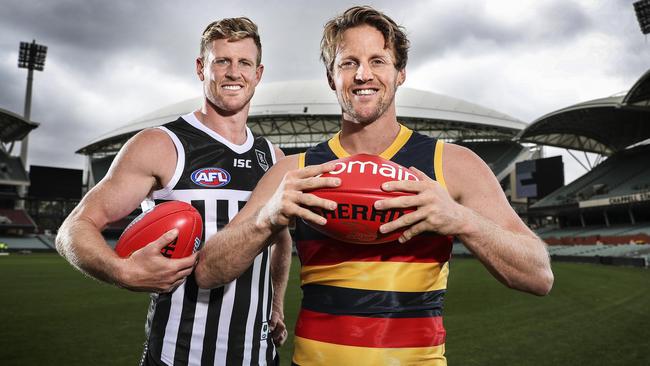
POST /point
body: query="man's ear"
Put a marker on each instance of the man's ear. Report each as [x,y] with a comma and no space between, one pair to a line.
[258,73]
[199,68]
[401,77]
[330,81]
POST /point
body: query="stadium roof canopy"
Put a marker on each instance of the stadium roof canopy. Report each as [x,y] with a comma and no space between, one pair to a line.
[602,126]
[14,127]
[303,113]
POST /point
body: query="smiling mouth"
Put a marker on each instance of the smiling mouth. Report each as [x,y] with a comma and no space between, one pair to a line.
[232,87]
[368,91]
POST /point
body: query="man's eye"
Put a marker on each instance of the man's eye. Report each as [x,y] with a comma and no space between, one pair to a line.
[220,62]
[347,65]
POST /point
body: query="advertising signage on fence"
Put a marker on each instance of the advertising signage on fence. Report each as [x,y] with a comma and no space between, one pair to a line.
[618,200]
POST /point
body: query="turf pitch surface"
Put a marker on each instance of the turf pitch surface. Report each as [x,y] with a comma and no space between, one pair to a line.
[595,315]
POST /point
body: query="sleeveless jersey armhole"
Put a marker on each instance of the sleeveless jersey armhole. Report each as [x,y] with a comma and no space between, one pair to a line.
[301,160]
[180,165]
[272,150]
[437,163]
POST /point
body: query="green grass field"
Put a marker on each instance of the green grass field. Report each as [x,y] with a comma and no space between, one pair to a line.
[595,315]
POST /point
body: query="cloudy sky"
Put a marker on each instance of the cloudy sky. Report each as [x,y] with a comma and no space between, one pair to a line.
[110,62]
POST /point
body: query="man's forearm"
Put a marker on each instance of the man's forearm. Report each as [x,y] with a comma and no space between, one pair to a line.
[228,253]
[81,243]
[280,265]
[518,260]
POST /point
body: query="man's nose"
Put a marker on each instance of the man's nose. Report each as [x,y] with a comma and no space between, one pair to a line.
[363,73]
[232,71]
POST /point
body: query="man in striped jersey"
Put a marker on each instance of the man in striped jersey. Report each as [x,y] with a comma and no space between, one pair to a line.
[238,321]
[381,304]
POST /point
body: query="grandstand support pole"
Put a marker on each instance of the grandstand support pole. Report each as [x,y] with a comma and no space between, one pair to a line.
[631,214]
[606,218]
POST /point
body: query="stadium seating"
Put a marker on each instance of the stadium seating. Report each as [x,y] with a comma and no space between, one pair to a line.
[27,243]
[11,170]
[624,173]
[625,254]
[11,219]
[591,235]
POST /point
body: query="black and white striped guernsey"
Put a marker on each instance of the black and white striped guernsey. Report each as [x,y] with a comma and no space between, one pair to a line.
[227,325]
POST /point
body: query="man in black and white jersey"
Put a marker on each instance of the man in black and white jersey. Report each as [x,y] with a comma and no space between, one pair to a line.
[238,321]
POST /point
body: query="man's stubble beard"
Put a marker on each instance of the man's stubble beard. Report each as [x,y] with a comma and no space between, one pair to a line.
[382,107]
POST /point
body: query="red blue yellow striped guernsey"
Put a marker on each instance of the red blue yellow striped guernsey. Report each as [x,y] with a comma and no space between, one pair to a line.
[373,304]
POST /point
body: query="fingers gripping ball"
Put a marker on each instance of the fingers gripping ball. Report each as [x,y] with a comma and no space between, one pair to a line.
[152,224]
[356,220]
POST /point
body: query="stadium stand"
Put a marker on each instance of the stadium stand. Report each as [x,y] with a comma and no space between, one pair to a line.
[14,220]
[13,179]
[14,127]
[603,216]
[626,254]
[609,204]
[26,243]
[603,126]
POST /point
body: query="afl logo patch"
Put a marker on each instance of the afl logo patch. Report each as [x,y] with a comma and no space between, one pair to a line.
[211,177]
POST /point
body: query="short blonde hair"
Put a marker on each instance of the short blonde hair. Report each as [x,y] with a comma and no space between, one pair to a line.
[394,35]
[232,29]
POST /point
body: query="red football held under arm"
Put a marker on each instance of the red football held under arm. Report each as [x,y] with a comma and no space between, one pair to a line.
[152,224]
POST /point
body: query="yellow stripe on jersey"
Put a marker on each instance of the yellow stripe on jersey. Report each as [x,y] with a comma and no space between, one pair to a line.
[437,163]
[379,276]
[308,352]
[402,137]
[399,142]
[335,144]
[301,160]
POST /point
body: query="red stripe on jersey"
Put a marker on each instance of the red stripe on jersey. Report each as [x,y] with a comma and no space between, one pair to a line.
[370,332]
[423,248]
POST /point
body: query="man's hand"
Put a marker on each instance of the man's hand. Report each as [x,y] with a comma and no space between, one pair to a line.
[148,270]
[278,328]
[435,210]
[289,199]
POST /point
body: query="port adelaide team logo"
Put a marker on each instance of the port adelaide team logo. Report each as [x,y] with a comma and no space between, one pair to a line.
[210,177]
[261,159]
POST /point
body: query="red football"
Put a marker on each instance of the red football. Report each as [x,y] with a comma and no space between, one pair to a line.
[355,220]
[152,224]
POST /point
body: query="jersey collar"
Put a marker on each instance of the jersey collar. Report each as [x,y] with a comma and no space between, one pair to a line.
[239,149]
[403,136]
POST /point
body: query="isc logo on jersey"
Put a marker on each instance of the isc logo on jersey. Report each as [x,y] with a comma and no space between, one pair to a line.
[211,177]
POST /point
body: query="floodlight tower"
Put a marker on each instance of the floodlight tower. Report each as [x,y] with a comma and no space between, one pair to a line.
[30,57]
[642,9]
